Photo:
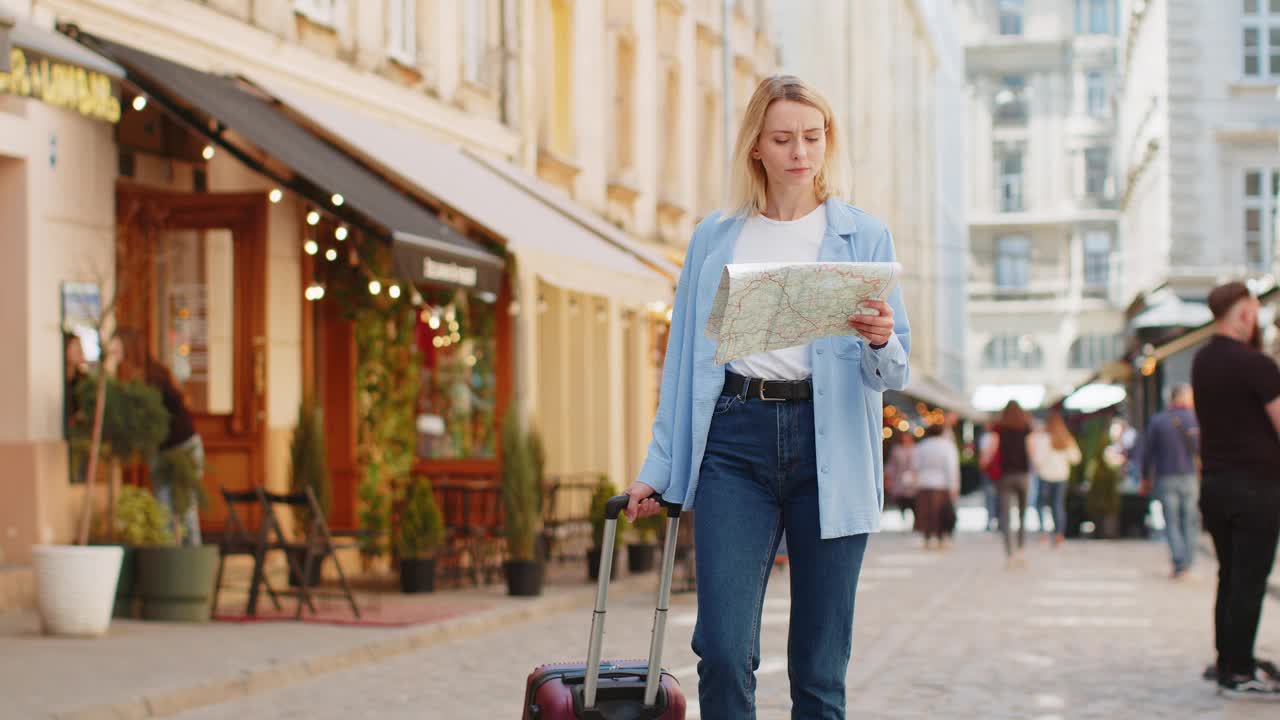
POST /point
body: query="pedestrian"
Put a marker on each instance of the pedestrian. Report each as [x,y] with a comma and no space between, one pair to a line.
[1011,434]
[137,362]
[936,463]
[990,484]
[1237,404]
[783,440]
[900,476]
[1054,452]
[1169,452]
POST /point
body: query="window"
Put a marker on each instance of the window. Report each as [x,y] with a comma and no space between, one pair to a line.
[1012,351]
[621,152]
[1095,83]
[1099,17]
[458,356]
[1010,172]
[321,12]
[1097,260]
[1011,101]
[402,26]
[1260,39]
[1010,17]
[477,32]
[557,126]
[1096,166]
[1090,352]
[670,120]
[1260,217]
[1013,263]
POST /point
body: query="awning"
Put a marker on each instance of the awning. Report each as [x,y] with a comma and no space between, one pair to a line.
[1093,397]
[551,243]
[992,398]
[238,107]
[934,392]
[1173,311]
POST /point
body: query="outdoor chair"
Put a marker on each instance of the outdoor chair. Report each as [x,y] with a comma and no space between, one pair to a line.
[472,511]
[237,539]
[316,544]
[566,515]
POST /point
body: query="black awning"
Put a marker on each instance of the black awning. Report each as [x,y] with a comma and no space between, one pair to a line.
[260,122]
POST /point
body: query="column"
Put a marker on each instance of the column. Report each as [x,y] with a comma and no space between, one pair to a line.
[527,348]
[615,387]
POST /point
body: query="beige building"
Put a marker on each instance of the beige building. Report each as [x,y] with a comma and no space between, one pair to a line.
[558,145]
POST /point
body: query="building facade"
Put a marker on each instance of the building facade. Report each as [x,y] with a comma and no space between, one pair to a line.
[559,137]
[1045,305]
[894,74]
[1198,145]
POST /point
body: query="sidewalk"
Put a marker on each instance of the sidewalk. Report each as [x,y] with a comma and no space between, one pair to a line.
[149,669]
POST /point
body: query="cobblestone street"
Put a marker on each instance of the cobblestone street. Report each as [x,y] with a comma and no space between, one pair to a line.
[1094,630]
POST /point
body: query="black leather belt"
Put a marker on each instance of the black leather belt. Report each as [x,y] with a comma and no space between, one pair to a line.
[774,390]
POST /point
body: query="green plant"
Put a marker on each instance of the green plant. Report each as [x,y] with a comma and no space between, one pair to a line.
[521,492]
[134,420]
[140,520]
[374,517]
[421,527]
[599,500]
[1103,496]
[308,464]
[538,457]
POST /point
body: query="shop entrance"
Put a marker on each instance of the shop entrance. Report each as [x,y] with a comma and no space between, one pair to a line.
[192,274]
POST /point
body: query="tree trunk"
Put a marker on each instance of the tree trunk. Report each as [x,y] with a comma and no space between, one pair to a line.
[91,472]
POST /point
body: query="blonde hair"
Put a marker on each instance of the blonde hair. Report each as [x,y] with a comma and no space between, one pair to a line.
[749,183]
[1060,437]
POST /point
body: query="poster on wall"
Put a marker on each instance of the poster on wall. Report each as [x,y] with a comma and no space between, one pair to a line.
[81,350]
[81,306]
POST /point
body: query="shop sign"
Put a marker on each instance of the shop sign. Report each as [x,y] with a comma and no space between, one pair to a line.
[449,272]
[91,93]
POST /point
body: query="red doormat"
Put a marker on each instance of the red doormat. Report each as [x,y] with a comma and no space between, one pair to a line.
[380,613]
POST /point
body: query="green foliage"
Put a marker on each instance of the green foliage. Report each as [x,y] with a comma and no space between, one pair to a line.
[421,524]
[1103,496]
[599,500]
[521,491]
[374,516]
[650,528]
[140,520]
[1093,440]
[308,463]
[538,457]
[178,469]
[134,421]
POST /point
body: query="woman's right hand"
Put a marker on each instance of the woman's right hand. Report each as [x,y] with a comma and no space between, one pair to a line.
[641,505]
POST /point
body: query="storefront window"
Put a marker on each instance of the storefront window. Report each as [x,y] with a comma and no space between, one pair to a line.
[459,352]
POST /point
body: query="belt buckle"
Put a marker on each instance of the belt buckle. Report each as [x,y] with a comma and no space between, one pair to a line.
[766,398]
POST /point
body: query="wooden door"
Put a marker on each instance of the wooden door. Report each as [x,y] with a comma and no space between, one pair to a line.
[192,273]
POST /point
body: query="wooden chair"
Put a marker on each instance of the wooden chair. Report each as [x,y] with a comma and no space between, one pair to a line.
[237,539]
[316,544]
[566,515]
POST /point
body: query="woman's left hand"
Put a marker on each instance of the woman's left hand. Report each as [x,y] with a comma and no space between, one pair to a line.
[876,328]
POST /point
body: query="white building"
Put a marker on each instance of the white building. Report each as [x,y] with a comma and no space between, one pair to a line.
[1044,311]
[1198,142]
[894,72]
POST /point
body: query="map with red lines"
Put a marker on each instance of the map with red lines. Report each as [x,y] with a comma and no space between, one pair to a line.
[770,306]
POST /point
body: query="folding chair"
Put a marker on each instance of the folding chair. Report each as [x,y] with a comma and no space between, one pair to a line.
[317,543]
[237,539]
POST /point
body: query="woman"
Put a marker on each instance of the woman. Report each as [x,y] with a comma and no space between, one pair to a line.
[135,362]
[936,463]
[1011,440]
[899,476]
[784,440]
[1054,452]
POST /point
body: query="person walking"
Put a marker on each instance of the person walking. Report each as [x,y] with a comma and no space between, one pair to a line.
[1054,452]
[1010,440]
[1169,452]
[782,440]
[900,476]
[1237,404]
[936,463]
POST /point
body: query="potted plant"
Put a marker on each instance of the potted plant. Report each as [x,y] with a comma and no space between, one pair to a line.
[599,499]
[418,537]
[175,581]
[522,507]
[642,555]
[140,520]
[308,468]
[1102,500]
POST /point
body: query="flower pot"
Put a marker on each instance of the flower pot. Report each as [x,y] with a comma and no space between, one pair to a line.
[524,577]
[417,575]
[642,558]
[175,584]
[1108,526]
[76,587]
[126,590]
[593,562]
[314,573]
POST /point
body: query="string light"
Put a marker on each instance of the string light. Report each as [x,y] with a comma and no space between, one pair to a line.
[337,200]
[313,218]
[207,153]
[330,254]
[340,233]
[140,103]
[275,196]
[311,247]
[375,287]
[315,291]
[394,292]
[513,308]
[434,321]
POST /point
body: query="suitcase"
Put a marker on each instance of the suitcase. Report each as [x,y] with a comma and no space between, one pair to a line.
[618,690]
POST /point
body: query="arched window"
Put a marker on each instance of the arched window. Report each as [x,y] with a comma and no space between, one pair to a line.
[1012,351]
[1092,351]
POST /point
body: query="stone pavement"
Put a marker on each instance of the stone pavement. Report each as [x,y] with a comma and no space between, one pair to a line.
[1094,630]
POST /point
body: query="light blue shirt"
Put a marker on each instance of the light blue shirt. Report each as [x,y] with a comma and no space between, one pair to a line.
[848,378]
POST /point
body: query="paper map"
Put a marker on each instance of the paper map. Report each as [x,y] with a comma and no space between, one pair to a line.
[769,306]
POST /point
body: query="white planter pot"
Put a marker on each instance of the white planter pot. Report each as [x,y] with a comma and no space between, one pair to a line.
[76,587]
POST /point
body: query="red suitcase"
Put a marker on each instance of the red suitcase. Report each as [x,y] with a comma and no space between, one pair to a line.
[619,690]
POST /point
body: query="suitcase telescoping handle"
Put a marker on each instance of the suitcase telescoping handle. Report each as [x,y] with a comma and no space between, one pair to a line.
[613,509]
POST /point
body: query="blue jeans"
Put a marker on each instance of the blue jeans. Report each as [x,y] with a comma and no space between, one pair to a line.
[1053,495]
[759,477]
[188,526]
[1179,496]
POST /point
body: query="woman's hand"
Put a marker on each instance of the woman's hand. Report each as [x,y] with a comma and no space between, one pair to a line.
[876,328]
[641,504]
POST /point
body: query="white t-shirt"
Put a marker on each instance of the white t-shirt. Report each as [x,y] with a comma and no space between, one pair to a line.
[764,240]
